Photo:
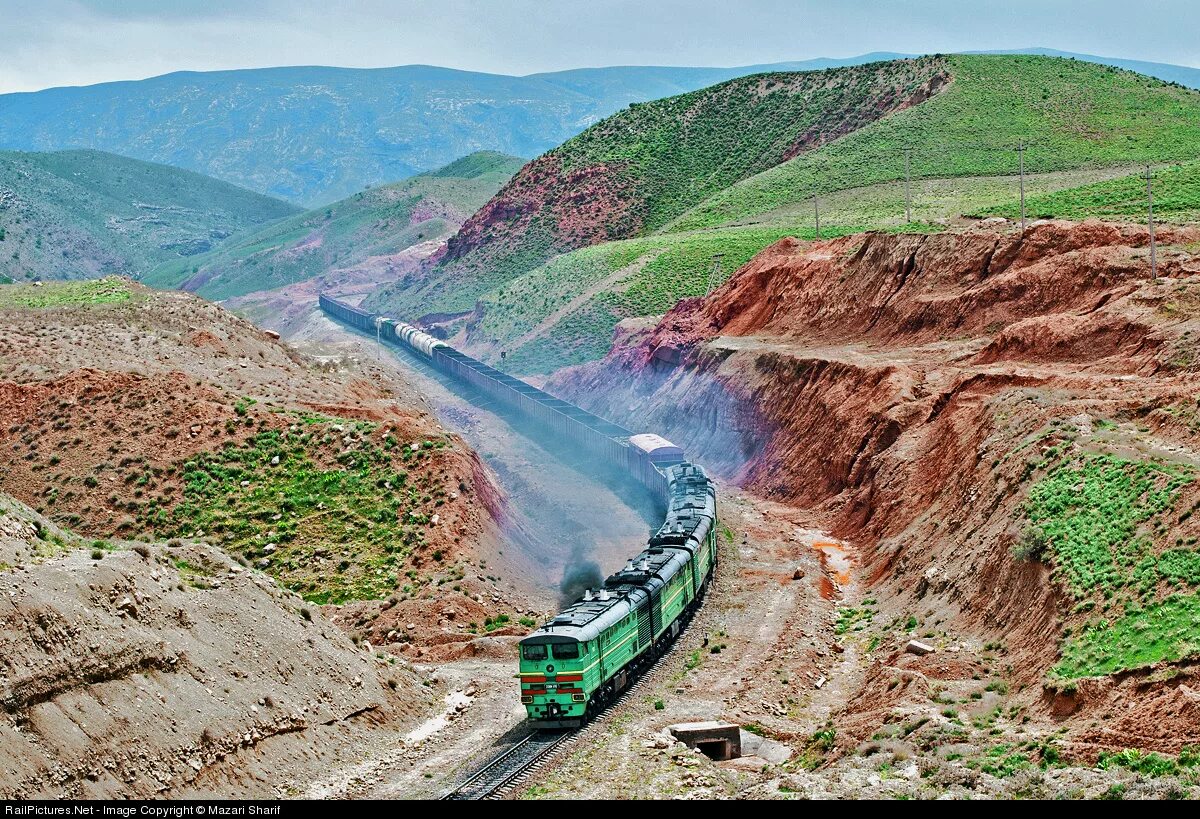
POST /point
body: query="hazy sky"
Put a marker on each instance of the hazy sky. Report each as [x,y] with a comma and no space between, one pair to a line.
[76,42]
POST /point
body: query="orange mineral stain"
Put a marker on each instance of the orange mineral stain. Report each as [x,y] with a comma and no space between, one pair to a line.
[836,564]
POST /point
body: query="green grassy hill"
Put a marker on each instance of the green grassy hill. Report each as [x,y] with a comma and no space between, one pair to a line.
[1088,127]
[632,173]
[1073,114]
[374,223]
[86,214]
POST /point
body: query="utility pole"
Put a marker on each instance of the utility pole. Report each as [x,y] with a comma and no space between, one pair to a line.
[378,343]
[1150,221]
[1021,148]
[817,215]
[715,273]
[907,192]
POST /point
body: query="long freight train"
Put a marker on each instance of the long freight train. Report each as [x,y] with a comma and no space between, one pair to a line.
[590,651]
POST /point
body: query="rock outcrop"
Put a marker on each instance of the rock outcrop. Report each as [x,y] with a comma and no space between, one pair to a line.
[163,670]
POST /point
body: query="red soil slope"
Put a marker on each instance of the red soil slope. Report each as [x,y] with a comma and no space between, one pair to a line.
[905,386]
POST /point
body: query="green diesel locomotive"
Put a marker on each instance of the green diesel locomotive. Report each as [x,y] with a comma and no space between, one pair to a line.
[589,653]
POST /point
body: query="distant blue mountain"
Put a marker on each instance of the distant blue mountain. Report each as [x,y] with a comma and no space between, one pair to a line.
[313,134]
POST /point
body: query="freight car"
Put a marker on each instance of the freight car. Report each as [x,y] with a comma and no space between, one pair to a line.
[639,455]
[589,652]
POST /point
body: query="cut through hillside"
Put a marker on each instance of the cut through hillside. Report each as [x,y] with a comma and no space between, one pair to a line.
[1004,428]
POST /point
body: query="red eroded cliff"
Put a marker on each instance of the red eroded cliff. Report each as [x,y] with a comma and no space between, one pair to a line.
[907,388]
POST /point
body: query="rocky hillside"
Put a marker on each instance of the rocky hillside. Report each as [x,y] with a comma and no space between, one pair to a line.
[1005,429]
[86,214]
[152,671]
[135,414]
[1093,125]
[374,230]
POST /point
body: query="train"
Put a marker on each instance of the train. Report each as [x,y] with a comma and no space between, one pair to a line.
[587,654]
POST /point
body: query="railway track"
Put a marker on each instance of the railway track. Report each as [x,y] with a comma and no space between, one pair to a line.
[510,767]
[514,766]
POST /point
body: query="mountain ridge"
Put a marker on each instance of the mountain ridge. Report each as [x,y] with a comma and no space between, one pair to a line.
[315,134]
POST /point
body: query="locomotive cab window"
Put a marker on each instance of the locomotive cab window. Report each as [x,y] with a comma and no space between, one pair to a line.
[534,652]
[566,651]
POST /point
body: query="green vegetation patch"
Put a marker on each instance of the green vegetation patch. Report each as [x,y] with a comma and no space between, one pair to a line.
[1102,519]
[1180,566]
[852,619]
[111,290]
[1165,631]
[1152,764]
[1004,761]
[1092,511]
[1176,198]
[333,521]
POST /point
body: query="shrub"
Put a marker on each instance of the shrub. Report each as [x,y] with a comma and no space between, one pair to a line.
[1032,545]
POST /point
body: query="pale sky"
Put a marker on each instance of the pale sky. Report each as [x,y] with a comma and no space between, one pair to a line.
[46,43]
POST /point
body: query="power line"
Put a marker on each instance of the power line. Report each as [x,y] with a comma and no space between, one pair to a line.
[379,320]
[907,192]
[1021,148]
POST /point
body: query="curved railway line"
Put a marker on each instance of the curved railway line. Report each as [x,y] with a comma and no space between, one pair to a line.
[633,620]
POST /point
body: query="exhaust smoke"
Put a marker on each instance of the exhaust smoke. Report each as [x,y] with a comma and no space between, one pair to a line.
[578,577]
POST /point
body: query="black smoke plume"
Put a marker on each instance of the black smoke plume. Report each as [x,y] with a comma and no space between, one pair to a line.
[578,577]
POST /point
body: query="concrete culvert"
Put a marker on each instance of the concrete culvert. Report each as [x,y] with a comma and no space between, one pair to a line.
[716,740]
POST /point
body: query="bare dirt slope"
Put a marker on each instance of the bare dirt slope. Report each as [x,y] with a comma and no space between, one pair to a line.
[1002,427]
[168,672]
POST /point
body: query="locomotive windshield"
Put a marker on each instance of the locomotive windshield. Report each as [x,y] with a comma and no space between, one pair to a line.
[566,651]
[536,651]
